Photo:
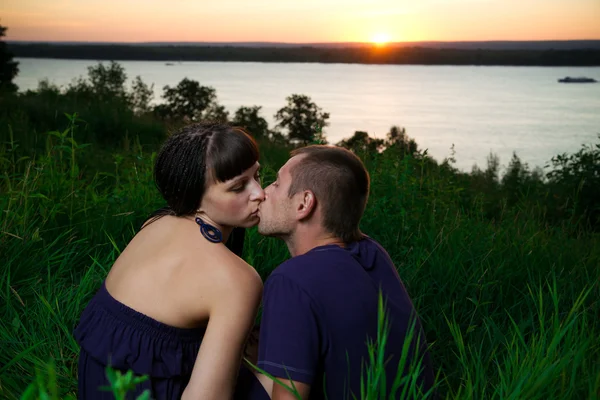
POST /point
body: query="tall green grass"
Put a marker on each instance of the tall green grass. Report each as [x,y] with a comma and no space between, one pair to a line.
[510,305]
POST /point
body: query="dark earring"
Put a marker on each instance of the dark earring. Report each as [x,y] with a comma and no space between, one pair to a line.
[211,233]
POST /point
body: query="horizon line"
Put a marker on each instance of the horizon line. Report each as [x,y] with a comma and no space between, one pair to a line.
[305,43]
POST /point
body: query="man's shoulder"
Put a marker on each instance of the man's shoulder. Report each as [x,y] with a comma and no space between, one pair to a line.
[309,268]
[327,262]
[298,265]
[374,243]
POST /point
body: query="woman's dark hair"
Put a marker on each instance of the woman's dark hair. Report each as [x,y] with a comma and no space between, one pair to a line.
[194,155]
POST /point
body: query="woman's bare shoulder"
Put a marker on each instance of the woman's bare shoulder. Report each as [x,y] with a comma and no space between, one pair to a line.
[237,273]
[223,271]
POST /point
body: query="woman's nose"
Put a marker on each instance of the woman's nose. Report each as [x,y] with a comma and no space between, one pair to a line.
[258,193]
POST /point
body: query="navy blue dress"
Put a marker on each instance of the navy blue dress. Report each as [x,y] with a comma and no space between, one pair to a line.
[110,333]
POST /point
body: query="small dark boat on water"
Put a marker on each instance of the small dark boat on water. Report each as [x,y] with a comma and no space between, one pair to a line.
[581,79]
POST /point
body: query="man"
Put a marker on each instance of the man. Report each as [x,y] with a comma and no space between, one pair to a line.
[321,306]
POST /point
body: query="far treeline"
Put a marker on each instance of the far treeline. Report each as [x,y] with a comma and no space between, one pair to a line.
[367,54]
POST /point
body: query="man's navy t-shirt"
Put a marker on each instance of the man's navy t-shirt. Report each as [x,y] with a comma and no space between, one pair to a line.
[320,308]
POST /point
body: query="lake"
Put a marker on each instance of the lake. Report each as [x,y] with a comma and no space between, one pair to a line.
[478,109]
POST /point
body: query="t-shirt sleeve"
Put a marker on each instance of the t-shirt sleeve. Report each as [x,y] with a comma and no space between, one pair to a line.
[289,333]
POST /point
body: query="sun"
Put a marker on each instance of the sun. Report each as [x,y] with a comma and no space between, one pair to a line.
[380,39]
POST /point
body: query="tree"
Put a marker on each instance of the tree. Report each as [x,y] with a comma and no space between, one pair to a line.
[104,83]
[190,101]
[141,95]
[216,112]
[514,179]
[248,118]
[575,182]
[361,142]
[108,82]
[492,172]
[303,119]
[398,141]
[8,68]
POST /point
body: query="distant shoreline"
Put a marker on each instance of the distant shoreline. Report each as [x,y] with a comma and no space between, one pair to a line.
[574,44]
[581,53]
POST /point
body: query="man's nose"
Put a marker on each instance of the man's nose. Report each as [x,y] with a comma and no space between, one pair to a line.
[267,191]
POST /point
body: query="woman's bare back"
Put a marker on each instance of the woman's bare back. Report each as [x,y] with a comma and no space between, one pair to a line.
[168,272]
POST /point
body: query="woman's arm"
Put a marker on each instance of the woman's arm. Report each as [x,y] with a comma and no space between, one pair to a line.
[234,301]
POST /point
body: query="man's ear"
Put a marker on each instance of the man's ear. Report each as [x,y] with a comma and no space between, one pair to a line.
[307,204]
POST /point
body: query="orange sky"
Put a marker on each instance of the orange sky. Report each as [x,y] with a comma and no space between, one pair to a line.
[299,20]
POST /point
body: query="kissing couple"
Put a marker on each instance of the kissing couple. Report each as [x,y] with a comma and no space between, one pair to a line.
[180,304]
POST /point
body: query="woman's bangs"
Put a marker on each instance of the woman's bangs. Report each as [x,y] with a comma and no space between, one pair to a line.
[231,155]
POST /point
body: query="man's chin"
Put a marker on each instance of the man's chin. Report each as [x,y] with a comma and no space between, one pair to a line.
[262,230]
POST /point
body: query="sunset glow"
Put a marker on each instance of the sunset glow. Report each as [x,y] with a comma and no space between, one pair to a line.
[309,21]
[381,39]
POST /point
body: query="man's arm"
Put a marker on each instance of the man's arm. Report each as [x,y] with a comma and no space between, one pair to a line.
[281,393]
[289,344]
[278,392]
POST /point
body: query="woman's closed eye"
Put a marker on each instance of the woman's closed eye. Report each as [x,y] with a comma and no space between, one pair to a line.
[239,187]
[243,183]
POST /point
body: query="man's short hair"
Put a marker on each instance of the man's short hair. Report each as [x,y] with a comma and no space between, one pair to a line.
[340,182]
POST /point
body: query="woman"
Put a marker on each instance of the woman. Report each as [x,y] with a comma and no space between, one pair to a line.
[178,304]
